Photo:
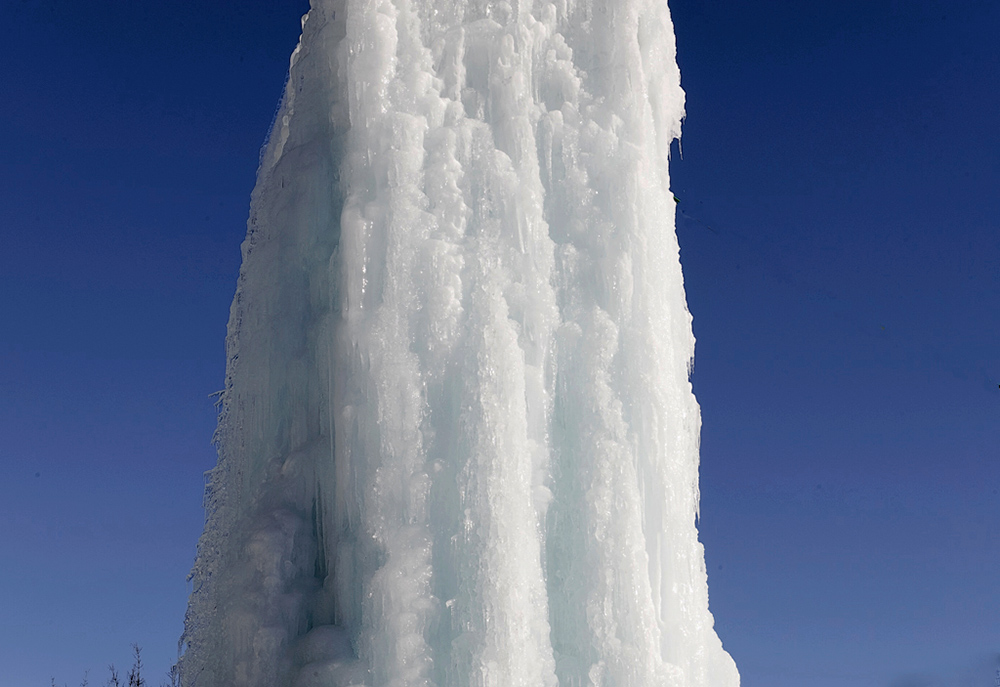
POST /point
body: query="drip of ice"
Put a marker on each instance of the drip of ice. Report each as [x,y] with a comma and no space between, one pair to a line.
[458,444]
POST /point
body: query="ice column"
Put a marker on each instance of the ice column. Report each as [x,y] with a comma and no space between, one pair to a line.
[457,443]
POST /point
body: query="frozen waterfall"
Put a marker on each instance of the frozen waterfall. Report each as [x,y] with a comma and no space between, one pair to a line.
[458,445]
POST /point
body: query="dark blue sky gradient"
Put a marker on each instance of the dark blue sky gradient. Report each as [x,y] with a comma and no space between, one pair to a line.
[132,132]
[840,243]
[840,202]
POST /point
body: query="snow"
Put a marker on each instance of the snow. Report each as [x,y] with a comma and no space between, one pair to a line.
[458,444]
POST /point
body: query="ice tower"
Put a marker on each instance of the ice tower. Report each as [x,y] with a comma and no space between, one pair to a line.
[458,445]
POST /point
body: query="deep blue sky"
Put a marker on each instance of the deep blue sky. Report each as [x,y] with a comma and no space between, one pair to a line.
[840,236]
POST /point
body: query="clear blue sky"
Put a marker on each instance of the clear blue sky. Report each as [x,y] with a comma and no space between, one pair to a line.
[840,235]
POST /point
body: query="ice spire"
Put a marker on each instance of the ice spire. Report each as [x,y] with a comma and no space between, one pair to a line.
[458,444]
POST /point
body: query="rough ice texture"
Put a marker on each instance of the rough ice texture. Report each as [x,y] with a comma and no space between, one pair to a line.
[458,444]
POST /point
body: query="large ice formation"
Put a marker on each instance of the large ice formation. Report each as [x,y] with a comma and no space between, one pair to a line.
[458,444]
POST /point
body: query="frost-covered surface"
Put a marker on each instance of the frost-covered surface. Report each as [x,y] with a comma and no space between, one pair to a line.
[458,444]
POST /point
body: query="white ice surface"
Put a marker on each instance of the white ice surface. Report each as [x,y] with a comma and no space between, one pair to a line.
[458,444]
